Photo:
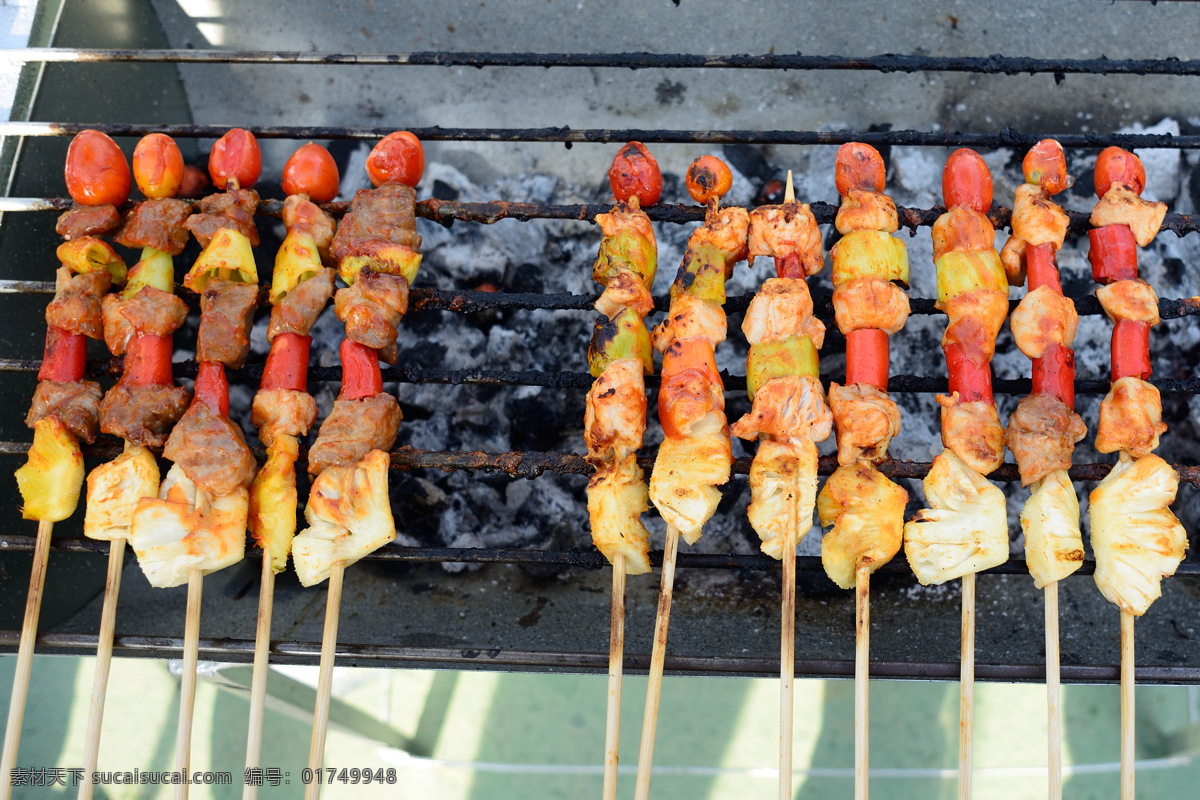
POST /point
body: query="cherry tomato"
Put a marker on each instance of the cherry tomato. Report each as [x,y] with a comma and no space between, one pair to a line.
[1046,165]
[859,166]
[96,172]
[1121,167]
[708,177]
[158,166]
[195,182]
[311,171]
[966,181]
[634,172]
[235,161]
[398,158]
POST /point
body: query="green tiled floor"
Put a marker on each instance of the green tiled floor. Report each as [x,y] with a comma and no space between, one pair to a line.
[497,735]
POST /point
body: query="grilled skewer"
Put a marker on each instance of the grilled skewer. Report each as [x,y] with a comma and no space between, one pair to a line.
[696,455]
[965,529]
[615,421]
[865,509]
[1136,538]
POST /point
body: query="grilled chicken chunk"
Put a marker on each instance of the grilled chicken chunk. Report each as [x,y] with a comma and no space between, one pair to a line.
[1038,220]
[150,311]
[1130,418]
[727,231]
[1050,519]
[282,412]
[782,308]
[1119,206]
[779,471]
[866,511]
[161,224]
[354,428]
[962,228]
[690,318]
[113,491]
[866,420]
[76,405]
[1041,434]
[965,527]
[865,303]
[624,290]
[211,451]
[1133,300]
[624,218]
[76,304]
[373,307]
[687,472]
[973,432]
[1043,317]
[617,498]
[865,210]
[615,419]
[974,321]
[788,407]
[381,215]
[1136,538]
[297,311]
[779,231]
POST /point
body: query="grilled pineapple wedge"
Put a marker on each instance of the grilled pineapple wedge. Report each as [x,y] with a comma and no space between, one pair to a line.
[617,497]
[687,472]
[349,515]
[1050,519]
[965,528]
[52,476]
[778,470]
[273,501]
[1136,538]
[113,492]
[866,511]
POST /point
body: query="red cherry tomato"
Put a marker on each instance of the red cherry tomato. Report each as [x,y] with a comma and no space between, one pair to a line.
[311,171]
[859,166]
[966,181]
[398,158]
[1046,165]
[235,159]
[1121,167]
[708,177]
[634,172]
[96,171]
[158,166]
[195,182]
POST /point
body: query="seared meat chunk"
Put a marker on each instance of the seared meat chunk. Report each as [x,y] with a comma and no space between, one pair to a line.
[782,308]
[973,432]
[226,316]
[373,307]
[282,412]
[76,404]
[783,230]
[87,221]
[1133,300]
[1119,206]
[866,210]
[865,303]
[788,407]
[866,418]
[615,419]
[377,215]
[161,224]
[211,451]
[150,311]
[1043,318]
[76,304]
[354,428]
[142,414]
[298,310]
[1130,418]
[1041,434]
[233,210]
[301,214]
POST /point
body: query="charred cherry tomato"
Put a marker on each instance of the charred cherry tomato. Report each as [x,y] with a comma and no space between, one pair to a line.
[235,161]
[1046,165]
[1041,263]
[212,387]
[158,166]
[966,181]
[859,166]
[1054,373]
[1113,254]
[1130,350]
[195,182]
[311,171]
[867,358]
[970,377]
[708,178]
[398,158]
[1120,167]
[287,363]
[96,172]
[635,173]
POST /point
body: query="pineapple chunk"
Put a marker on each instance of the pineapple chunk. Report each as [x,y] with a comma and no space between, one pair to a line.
[229,256]
[617,498]
[273,501]
[114,490]
[1136,538]
[687,471]
[1050,519]
[185,528]
[51,478]
[780,472]
[349,515]
[866,511]
[965,528]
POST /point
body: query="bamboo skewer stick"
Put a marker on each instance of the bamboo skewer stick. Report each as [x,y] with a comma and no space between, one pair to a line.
[108,624]
[258,681]
[862,677]
[966,696]
[658,654]
[787,649]
[616,658]
[1128,753]
[20,690]
[316,750]
[1053,694]
[187,689]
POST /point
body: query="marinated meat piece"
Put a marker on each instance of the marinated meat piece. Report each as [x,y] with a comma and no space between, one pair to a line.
[625,290]
[225,210]
[1042,433]
[1133,300]
[282,412]
[866,303]
[117,329]
[782,308]
[150,311]
[354,428]
[727,232]
[623,218]
[297,311]
[778,231]
[160,223]
[226,316]
[377,215]
[302,215]
[975,320]
[690,318]
[961,228]
[1119,206]
[864,210]
[211,451]
[1038,220]
[1044,317]
[791,407]
[142,414]
[76,404]
[973,432]
[76,304]
[866,420]
[87,221]
[1130,418]
[615,419]
[373,307]
[616,498]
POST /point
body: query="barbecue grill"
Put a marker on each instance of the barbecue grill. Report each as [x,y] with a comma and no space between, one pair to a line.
[541,603]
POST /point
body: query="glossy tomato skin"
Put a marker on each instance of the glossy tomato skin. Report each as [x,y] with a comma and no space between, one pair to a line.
[1046,166]
[398,158]
[1120,167]
[635,172]
[708,177]
[235,159]
[859,166]
[311,171]
[96,171]
[158,166]
[966,181]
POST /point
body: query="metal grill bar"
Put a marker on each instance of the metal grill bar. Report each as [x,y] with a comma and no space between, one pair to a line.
[886,63]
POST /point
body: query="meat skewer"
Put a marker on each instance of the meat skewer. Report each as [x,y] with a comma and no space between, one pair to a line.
[65,406]
[147,309]
[696,455]
[1043,430]
[283,411]
[615,421]
[866,510]
[965,529]
[349,514]
[1135,536]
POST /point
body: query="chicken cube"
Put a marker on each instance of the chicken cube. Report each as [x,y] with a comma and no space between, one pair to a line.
[686,473]
[1043,317]
[113,492]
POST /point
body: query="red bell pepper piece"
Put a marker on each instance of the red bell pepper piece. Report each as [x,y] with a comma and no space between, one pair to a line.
[212,387]
[147,360]
[789,266]
[287,363]
[970,377]
[1113,254]
[65,356]
[1041,264]
[360,371]
[1054,373]
[1130,350]
[867,358]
